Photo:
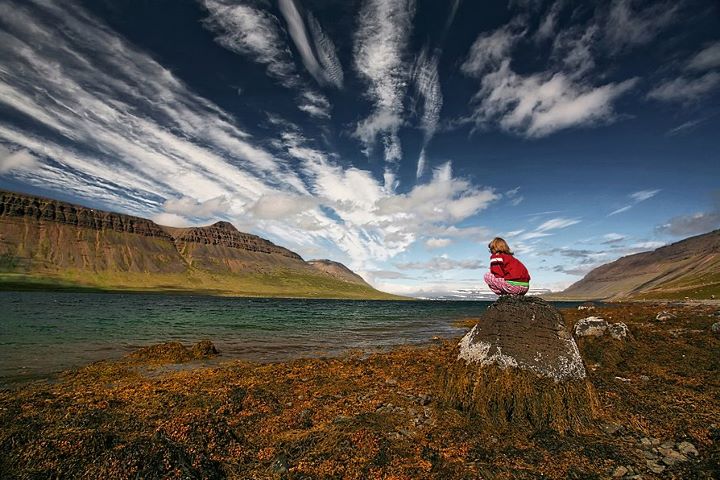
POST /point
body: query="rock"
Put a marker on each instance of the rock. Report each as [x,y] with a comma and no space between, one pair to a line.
[645,442]
[619,331]
[619,472]
[662,316]
[655,467]
[715,328]
[687,448]
[525,333]
[280,465]
[519,365]
[672,457]
[586,306]
[610,428]
[667,444]
[650,455]
[591,327]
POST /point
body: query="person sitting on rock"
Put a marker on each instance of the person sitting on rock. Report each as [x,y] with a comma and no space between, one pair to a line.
[507,275]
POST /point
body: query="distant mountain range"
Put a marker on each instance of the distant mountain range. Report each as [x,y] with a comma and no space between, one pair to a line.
[689,268]
[47,243]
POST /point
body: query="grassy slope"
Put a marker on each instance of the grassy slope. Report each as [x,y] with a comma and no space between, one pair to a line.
[51,256]
[279,284]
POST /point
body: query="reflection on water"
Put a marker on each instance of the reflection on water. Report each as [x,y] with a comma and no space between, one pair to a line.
[45,332]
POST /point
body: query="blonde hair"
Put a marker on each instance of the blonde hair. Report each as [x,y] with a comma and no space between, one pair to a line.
[498,245]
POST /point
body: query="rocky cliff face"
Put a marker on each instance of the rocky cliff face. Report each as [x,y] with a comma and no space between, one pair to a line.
[226,235]
[45,209]
[690,267]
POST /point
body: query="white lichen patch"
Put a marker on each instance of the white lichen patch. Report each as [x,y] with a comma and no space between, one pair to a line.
[567,365]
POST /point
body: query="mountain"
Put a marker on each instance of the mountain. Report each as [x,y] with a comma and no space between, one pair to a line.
[47,243]
[688,268]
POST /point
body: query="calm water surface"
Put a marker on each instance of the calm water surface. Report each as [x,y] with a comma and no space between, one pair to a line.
[45,332]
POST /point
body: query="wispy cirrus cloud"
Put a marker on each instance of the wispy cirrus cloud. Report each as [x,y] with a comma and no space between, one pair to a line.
[254,32]
[538,104]
[684,89]
[705,59]
[380,59]
[325,67]
[546,228]
[427,84]
[630,24]
[635,197]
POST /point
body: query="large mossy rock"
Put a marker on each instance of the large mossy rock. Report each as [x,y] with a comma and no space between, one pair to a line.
[520,366]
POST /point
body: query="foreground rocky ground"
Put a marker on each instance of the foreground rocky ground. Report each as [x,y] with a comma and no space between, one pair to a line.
[377,416]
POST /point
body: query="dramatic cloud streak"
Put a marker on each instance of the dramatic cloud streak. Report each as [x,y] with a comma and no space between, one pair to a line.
[380,58]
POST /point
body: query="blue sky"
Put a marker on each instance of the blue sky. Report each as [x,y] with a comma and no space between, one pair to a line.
[397,137]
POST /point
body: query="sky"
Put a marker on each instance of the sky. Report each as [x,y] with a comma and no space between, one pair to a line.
[395,136]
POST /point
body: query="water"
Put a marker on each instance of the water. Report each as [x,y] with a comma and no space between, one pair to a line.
[46,332]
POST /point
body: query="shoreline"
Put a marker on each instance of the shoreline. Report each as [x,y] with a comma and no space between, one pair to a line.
[365,415]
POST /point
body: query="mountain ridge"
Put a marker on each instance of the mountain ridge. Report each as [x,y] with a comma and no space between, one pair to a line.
[687,268]
[54,242]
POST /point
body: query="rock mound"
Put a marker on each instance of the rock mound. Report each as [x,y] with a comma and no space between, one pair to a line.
[520,366]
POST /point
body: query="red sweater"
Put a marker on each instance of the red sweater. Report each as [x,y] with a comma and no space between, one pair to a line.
[508,267]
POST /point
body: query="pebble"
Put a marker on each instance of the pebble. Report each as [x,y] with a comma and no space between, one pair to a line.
[646,442]
[620,472]
[668,444]
[654,466]
[650,455]
[715,328]
[687,448]
[664,316]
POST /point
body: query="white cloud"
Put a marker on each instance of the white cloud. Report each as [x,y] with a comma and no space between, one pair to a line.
[379,55]
[427,85]
[327,55]
[630,27]
[707,58]
[685,89]
[643,195]
[442,263]
[298,33]
[490,50]
[514,197]
[192,207]
[546,228]
[279,206]
[253,32]
[434,243]
[684,127]
[17,160]
[693,224]
[314,104]
[612,238]
[557,223]
[171,220]
[647,245]
[636,198]
[538,104]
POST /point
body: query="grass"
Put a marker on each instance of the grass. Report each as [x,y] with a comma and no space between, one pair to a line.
[363,416]
[280,283]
